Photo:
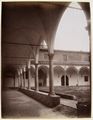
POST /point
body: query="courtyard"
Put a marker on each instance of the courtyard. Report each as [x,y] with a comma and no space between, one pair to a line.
[82,93]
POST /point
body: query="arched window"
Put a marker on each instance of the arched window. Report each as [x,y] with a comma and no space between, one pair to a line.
[64,82]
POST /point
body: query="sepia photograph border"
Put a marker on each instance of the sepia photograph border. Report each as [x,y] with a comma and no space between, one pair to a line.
[91,13]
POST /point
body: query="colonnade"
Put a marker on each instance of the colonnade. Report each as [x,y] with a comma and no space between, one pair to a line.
[22,76]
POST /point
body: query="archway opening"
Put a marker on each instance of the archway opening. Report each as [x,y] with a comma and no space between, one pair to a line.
[71,33]
[72,73]
[42,75]
[58,73]
[84,76]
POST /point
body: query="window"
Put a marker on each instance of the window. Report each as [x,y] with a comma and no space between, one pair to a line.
[65,57]
[45,56]
[86,78]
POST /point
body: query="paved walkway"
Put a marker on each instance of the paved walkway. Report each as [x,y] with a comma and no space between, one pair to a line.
[17,105]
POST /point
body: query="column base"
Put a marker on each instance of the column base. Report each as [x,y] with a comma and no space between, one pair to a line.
[36,90]
[52,94]
[28,88]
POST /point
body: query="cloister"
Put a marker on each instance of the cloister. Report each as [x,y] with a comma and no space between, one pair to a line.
[25,64]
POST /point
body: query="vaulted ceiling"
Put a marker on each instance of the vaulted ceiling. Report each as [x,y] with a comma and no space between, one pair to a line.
[25,25]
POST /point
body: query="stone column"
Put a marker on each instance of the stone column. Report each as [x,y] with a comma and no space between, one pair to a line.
[14,80]
[29,78]
[21,78]
[51,74]
[36,77]
[78,78]
[24,74]
[29,75]
[18,80]
[65,79]
[88,28]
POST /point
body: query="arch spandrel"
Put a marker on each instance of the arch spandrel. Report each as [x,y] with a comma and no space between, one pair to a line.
[59,70]
[84,70]
[44,68]
[71,70]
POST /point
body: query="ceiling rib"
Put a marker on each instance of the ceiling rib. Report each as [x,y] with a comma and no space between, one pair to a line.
[10,43]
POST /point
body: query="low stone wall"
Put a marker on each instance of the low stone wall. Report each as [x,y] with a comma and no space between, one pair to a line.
[66,96]
[44,98]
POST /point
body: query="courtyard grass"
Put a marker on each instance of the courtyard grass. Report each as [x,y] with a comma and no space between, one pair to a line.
[82,93]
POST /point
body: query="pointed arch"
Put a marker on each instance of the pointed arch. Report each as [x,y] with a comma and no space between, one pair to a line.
[44,68]
[71,70]
[42,75]
[59,69]
[84,71]
[71,29]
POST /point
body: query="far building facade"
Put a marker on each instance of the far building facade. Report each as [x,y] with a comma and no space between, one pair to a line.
[70,68]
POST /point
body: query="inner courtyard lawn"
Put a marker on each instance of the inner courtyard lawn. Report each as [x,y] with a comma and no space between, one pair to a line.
[82,93]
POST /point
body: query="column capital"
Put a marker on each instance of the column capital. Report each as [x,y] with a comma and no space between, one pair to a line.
[28,64]
[21,72]
[24,69]
[36,77]
[51,55]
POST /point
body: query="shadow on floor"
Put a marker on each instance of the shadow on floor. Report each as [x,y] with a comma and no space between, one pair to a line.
[17,105]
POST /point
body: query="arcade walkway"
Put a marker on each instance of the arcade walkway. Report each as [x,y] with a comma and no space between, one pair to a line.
[17,105]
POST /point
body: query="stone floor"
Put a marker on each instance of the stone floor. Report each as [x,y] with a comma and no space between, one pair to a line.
[17,105]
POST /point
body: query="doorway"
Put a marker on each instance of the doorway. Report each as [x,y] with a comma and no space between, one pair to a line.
[64,82]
